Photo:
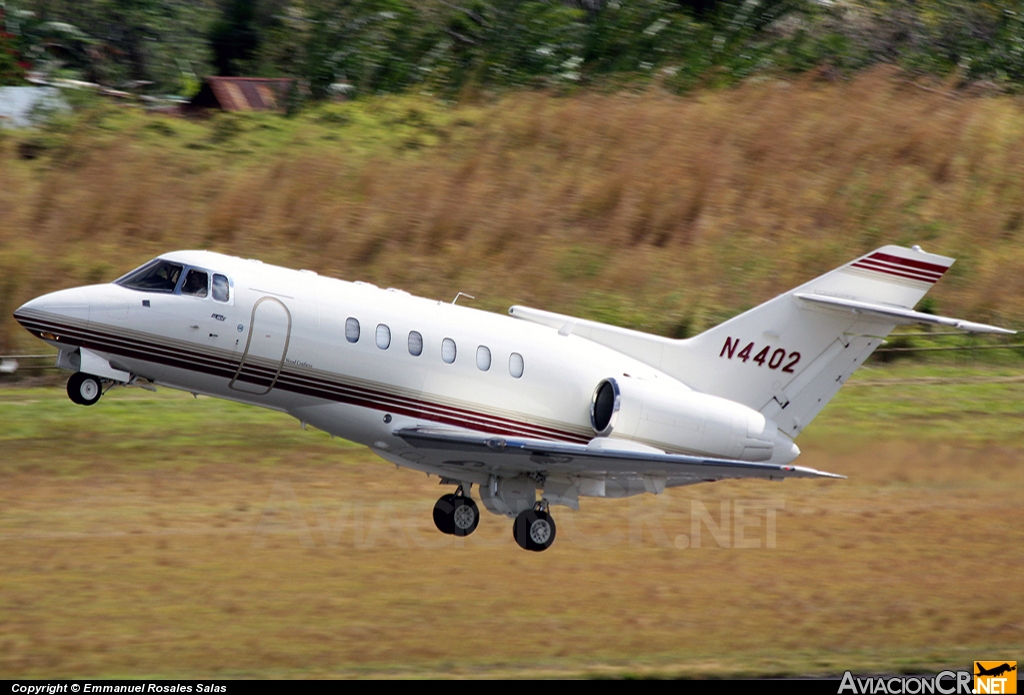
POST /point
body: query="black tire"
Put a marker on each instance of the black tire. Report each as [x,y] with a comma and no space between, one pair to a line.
[84,389]
[443,512]
[465,516]
[534,530]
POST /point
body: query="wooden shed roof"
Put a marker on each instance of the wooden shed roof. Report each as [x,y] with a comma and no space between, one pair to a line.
[243,93]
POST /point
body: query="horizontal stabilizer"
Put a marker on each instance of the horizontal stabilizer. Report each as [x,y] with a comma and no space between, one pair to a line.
[899,315]
[510,456]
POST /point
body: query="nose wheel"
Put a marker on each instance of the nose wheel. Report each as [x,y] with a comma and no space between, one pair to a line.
[456,514]
[84,389]
[534,530]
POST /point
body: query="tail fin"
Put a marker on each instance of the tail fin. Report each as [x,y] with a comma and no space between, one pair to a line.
[788,357]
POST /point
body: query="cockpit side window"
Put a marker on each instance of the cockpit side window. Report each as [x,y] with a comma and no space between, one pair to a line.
[156,276]
[221,288]
[197,283]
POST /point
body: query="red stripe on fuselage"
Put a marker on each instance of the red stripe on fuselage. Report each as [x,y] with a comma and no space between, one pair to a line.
[298,383]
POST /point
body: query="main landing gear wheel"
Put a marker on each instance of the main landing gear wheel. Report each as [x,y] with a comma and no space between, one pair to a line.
[534,530]
[456,514]
[443,509]
[84,389]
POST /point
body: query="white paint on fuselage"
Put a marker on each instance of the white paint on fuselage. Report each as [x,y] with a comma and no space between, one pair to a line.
[555,390]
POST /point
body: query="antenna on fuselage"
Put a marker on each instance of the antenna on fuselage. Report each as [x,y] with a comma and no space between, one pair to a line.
[462,294]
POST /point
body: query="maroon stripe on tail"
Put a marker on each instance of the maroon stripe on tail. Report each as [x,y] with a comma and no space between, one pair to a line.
[908,263]
[903,272]
[892,266]
[896,273]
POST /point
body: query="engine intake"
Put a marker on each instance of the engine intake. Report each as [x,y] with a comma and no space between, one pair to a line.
[668,415]
[604,406]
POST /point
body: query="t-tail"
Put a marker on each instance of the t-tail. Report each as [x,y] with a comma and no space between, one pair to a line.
[788,357]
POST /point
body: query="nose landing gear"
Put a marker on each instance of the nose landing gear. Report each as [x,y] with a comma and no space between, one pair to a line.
[456,514]
[84,389]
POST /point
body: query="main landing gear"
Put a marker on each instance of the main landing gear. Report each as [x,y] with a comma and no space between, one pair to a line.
[456,514]
[534,529]
[84,389]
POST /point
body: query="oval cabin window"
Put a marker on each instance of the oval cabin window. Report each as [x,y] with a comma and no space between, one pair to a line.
[483,358]
[383,336]
[448,350]
[351,330]
[515,365]
[415,344]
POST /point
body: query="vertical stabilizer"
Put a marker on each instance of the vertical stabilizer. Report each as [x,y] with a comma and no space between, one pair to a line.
[788,357]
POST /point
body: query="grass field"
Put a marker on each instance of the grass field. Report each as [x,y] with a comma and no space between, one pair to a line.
[643,209]
[161,535]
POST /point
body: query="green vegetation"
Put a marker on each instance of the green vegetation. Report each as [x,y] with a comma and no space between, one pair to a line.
[644,209]
[160,535]
[975,404]
[375,46]
[157,535]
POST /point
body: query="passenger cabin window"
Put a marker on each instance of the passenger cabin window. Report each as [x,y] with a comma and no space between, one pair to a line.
[156,276]
[448,350]
[415,344]
[483,358]
[197,283]
[383,336]
[352,330]
[515,365]
[221,288]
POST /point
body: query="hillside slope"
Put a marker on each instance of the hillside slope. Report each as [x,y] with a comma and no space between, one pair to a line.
[655,211]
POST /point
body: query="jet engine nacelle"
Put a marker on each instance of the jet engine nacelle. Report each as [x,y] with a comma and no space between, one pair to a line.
[677,419]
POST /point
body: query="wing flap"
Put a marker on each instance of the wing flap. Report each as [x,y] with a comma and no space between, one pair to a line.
[529,455]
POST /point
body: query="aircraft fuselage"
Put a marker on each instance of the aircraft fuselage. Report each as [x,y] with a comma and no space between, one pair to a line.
[519,406]
[351,359]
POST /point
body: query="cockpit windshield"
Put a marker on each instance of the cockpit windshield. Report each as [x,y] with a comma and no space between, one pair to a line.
[197,283]
[156,276]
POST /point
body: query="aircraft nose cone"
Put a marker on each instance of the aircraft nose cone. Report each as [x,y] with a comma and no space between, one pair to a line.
[29,308]
[32,304]
[54,313]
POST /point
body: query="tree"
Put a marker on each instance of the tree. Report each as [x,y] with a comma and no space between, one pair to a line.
[113,41]
[234,37]
[12,67]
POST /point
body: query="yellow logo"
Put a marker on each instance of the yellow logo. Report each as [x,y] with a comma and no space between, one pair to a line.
[995,677]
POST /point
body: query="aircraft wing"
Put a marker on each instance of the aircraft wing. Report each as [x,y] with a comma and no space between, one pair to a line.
[469,451]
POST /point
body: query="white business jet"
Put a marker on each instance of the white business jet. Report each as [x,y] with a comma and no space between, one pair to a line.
[535,409]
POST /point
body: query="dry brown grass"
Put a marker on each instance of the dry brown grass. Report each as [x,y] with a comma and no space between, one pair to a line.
[139,539]
[644,209]
[305,569]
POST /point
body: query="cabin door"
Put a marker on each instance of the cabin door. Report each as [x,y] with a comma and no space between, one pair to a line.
[270,330]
